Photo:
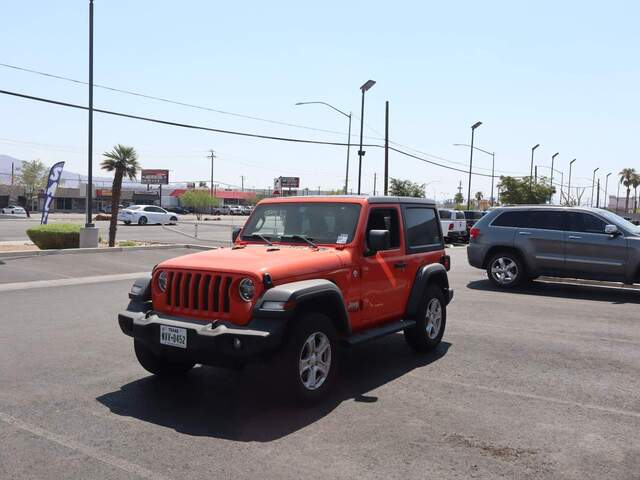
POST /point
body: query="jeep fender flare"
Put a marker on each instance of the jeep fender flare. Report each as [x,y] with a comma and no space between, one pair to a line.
[427,274]
[316,294]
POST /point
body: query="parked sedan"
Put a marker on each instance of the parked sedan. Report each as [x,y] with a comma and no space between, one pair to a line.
[147,214]
[14,210]
[178,210]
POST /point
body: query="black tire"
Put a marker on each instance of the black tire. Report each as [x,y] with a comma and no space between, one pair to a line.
[427,333]
[173,220]
[142,221]
[510,271]
[127,222]
[290,365]
[158,365]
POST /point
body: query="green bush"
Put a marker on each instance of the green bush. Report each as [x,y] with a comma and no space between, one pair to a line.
[55,236]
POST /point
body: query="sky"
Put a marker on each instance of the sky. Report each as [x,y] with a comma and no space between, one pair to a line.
[561,74]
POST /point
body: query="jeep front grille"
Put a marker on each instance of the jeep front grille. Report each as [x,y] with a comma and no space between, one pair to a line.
[204,292]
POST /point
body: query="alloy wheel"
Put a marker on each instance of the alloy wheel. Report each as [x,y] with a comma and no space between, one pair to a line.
[433,318]
[314,362]
[504,270]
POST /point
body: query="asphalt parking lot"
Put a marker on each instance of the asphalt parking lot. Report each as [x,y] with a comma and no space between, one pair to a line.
[539,383]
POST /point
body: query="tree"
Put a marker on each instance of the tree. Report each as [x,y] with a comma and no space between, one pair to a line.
[635,183]
[200,200]
[516,191]
[626,177]
[33,177]
[479,196]
[458,199]
[405,188]
[123,161]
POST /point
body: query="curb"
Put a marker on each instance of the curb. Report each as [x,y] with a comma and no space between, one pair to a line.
[73,251]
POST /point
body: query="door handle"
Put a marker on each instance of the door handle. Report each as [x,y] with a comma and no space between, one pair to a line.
[524,233]
[574,237]
[400,265]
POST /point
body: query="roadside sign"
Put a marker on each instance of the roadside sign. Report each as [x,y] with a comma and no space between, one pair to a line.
[289,182]
[155,177]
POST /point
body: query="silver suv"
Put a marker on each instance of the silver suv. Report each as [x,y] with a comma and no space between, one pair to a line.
[515,244]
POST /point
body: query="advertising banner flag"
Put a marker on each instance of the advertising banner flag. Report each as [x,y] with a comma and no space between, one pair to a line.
[54,178]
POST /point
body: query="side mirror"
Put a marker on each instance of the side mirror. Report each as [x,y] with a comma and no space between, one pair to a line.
[234,234]
[378,240]
[611,230]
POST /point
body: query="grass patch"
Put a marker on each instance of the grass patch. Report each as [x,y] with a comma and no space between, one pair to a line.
[127,243]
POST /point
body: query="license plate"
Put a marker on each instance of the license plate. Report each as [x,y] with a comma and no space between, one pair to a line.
[173,336]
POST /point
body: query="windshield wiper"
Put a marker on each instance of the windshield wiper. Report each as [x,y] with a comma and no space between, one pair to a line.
[262,237]
[296,236]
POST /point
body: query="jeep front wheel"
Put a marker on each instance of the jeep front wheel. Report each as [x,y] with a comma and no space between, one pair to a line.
[310,358]
[158,365]
[430,322]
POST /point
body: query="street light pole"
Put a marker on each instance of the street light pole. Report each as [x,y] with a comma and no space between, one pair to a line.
[533,149]
[348,115]
[569,183]
[553,158]
[367,85]
[473,129]
[606,190]
[593,184]
[89,222]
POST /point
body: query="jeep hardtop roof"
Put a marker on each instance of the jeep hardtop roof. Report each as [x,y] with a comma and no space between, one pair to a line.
[361,199]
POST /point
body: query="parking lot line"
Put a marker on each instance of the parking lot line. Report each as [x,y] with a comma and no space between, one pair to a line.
[543,398]
[64,282]
[91,452]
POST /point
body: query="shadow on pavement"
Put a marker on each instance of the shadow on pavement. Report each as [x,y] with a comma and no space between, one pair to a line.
[563,290]
[246,406]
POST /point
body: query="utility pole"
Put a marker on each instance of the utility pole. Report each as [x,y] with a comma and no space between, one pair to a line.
[12,172]
[375,177]
[553,159]
[598,195]
[386,148]
[212,156]
[242,179]
[535,175]
[593,184]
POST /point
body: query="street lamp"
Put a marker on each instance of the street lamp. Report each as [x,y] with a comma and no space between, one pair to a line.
[533,149]
[346,177]
[367,85]
[593,184]
[473,129]
[606,190]
[493,163]
[569,184]
[553,158]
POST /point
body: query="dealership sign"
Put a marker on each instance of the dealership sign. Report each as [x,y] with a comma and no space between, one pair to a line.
[52,185]
[286,182]
[155,177]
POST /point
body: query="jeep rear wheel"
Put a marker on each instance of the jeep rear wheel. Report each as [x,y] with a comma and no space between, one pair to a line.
[158,365]
[309,362]
[430,322]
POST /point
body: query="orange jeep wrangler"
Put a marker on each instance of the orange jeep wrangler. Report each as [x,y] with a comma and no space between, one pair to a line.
[305,276]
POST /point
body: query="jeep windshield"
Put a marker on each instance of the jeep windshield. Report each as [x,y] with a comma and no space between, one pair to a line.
[328,223]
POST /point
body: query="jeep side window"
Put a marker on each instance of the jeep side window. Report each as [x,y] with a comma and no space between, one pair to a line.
[421,224]
[385,219]
[585,223]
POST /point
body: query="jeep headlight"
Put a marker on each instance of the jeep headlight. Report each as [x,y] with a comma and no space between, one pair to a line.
[162,281]
[246,289]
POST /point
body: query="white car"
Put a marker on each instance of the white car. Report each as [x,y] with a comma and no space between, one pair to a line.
[14,210]
[235,210]
[144,214]
[454,227]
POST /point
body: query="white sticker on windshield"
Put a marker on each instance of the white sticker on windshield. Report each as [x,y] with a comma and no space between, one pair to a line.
[342,238]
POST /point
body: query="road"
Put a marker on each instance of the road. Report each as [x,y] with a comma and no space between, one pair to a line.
[538,383]
[209,232]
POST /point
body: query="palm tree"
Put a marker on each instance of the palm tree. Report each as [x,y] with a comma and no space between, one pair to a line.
[635,183]
[479,197]
[626,176]
[123,161]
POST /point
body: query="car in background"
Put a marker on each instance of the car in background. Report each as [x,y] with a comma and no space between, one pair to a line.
[247,209]
[14,210]
[107,208]
[472,216]
[178,210]
[147,214]
[235,210]
[454,230]
[516,244]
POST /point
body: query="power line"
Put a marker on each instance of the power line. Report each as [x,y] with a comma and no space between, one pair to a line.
[228,132]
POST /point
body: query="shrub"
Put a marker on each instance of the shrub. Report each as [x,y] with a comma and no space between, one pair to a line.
[55,236]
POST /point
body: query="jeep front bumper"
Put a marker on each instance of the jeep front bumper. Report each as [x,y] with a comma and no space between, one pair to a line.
[215,343]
